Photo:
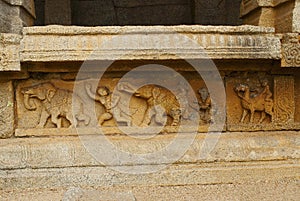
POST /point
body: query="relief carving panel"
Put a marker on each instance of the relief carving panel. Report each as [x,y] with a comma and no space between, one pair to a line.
[49,105]
[257,101]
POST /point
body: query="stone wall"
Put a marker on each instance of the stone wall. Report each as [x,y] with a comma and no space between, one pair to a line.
[51,109]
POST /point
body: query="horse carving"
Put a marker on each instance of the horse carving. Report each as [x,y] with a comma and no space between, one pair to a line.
[260,102]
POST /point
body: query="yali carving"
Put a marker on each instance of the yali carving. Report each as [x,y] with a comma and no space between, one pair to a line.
[257,101]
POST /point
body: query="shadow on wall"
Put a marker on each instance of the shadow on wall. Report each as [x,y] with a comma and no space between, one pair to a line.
[137,12]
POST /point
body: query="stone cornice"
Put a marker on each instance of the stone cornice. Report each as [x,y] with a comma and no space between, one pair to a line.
[59,43]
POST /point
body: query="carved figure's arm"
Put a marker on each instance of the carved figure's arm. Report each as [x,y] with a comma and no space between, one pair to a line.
[96,97]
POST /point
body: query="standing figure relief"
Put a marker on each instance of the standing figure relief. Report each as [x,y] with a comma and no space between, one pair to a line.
[56,103]
[260,101]
[205,105]
[104,97]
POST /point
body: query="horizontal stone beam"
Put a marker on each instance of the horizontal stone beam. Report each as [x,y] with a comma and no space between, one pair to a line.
[59,43]
[59,152]
[185,174]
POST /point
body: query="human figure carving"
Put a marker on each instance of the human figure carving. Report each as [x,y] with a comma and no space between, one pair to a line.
[261,102]
[205,105]
[104,97]
[56,103]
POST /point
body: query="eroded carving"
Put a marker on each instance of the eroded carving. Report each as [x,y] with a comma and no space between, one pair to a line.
[3,59]
[104,97]
[160,102]
[291,51]
[56,103]
[284,104]
[259,101]
[205,105]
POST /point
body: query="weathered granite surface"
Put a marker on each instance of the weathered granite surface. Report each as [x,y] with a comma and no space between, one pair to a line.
[15,14]
[58,43]
[10,52]
[7,116]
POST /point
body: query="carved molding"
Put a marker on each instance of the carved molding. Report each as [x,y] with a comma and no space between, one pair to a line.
[9,52]
[58,43]
[284,107]
[290,51]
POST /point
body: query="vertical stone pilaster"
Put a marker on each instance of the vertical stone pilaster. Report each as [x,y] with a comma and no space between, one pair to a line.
[6,109]
[284,101]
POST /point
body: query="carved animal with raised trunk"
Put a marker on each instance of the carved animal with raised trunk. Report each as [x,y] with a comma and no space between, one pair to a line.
[156,95]
[260,102]
[56,103]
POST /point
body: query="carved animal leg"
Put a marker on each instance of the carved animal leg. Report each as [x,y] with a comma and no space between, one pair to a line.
[72,121]
[262,118]
[104,117]
[251,116]
[55,119]
[147,118]
[119,118]
[245,112]
[43,119]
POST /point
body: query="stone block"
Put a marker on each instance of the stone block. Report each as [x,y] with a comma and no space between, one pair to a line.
[58,12]
[58,43]
[93,13]
[14,15]
[216,12]
[281,14]
[10,52]
[154,15]
[257,101]
[7,117]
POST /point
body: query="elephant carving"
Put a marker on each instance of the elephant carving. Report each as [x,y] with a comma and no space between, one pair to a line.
[56,103]
[158,98]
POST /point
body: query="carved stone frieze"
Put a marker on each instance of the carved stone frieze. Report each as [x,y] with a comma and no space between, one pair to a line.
[52,104]
[290,51]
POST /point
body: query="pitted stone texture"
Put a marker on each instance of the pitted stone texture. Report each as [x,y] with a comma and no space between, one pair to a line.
[58,12]
[6,109]
[58,43]
[290,50]
[49,152]
[14,14]
[9,52]
[283,189]
[176,174]
[281,14]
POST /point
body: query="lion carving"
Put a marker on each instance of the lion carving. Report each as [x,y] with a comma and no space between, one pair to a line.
[55,103]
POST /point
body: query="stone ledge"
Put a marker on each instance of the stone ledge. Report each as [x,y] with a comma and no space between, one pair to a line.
[59,43]
[59,152]
[187,174]
[283,189]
